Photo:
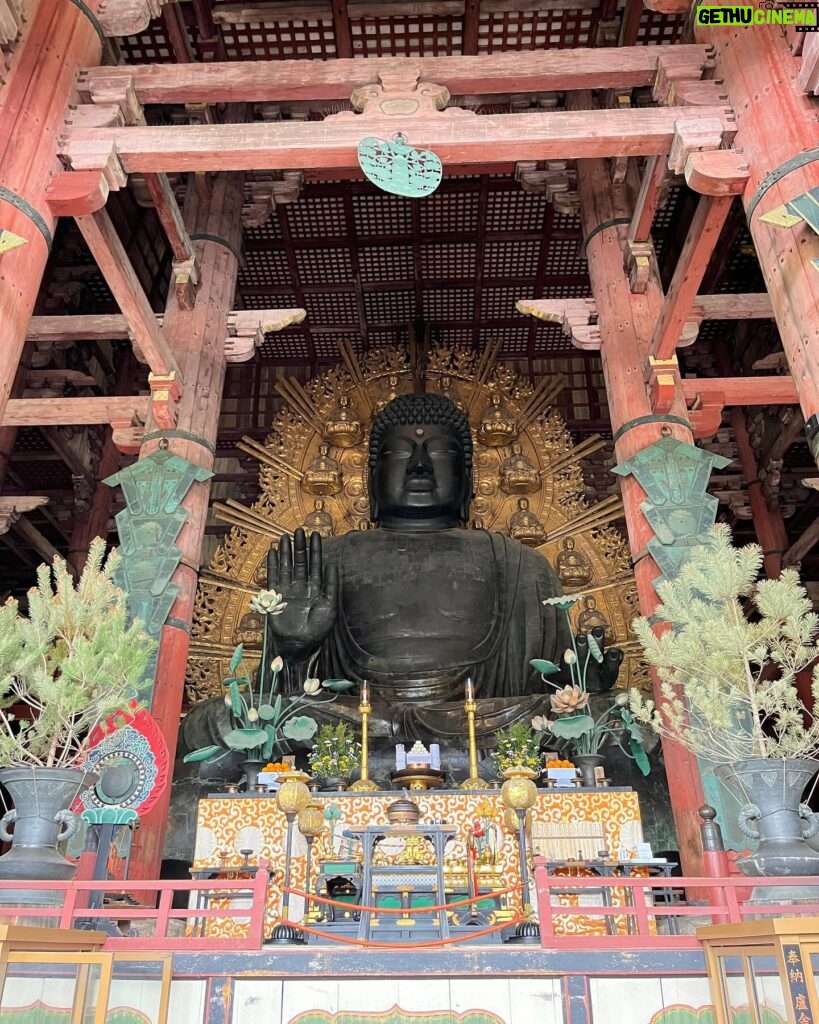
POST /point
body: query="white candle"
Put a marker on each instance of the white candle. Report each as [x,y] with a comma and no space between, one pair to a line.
[470,691]
[435,756]
[365,692]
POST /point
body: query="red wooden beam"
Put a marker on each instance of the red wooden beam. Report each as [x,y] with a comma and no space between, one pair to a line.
[769,390]
[654,175]
[253,82]
[733,307]
[42,412]
[691,266]
[109,252]
[333,143]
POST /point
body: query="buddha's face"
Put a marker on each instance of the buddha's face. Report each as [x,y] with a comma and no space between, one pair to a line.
[420,473]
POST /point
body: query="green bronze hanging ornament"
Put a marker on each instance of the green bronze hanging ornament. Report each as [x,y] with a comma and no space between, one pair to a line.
[398,168]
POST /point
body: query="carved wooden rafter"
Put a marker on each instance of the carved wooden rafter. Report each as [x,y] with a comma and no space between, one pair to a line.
[247,329]
[11,508]
[577,317]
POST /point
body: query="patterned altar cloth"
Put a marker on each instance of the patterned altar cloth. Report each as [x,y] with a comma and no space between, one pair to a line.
[232,823]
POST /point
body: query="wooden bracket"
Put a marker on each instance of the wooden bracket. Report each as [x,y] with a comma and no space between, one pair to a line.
[127,435]
[692,136]
[186,282]
[554,179]
[717,172]
[578,317]
[100,154]
[638,260]
[74,193]
[663,379]
[705,413]
[265,193]
[128,17]
[247,329]
[113,86]
[675,67]
[399,91]
[165,393]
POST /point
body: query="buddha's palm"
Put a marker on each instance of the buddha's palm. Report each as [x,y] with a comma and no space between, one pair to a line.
[311,595]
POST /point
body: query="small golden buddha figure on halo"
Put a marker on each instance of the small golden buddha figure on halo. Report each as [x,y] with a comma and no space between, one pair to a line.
[591,616]
[343,428]
[525,526]
[319,521]
[477,523]
[573,568]
[324,474]
[391,391]
[517,474]
[251,627]
[497,426]
[447,389]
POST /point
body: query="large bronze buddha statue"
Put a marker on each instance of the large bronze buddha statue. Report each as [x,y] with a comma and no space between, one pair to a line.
[418,604]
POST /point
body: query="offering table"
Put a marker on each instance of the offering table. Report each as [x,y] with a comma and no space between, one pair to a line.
[229,823]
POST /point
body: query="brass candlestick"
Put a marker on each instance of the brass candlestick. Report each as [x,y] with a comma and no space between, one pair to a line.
[365,783]
[470,707]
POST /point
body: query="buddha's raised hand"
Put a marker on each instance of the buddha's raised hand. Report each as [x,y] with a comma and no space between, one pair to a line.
[310,593]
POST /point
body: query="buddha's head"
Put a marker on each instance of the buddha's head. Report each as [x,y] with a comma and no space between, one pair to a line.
[420,467]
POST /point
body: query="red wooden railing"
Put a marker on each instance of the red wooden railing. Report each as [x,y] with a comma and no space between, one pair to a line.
[637,921]
[154,899]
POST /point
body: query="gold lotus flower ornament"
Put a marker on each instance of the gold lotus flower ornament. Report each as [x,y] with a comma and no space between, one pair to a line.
[570,698]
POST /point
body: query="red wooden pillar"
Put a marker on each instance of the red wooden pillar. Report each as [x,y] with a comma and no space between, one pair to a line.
[778,135]
[58,38]
[197,339]
[626,323]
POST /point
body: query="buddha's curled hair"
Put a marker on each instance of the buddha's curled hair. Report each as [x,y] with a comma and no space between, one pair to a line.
[423,410]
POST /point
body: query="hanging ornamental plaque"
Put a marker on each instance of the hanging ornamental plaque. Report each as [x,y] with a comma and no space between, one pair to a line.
[395,167]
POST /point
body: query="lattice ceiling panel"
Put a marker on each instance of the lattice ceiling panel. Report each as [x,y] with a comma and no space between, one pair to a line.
[316,216]
[324,266]
[659,29]
[404,36]
[385,263]
[396,307]
[531,30]
[377,214]
[449,303]
[511,259]
[515,211]
[261,299]
[301,39]
[514,340]
[448,261]
[448,211]
[365,263]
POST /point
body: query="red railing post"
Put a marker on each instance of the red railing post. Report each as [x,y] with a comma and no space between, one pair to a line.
[258,907]
[67,914]
[714,859]
[165,898]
